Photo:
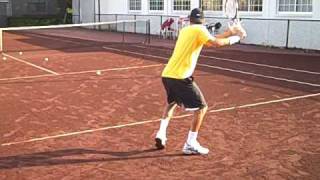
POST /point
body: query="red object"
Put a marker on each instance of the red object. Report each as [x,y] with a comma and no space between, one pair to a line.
[167,24]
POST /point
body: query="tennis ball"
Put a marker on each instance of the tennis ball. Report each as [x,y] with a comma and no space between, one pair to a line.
[46,59]
[4,58]
[20,53]
[98,72]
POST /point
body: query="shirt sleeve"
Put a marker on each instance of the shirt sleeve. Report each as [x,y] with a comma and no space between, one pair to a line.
[204,35]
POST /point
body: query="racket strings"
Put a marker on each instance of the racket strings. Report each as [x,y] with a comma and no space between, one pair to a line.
[231,7]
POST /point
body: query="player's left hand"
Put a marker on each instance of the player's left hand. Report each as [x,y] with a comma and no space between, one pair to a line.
[238,30]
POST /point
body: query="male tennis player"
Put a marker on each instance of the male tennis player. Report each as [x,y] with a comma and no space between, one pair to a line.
[179,83]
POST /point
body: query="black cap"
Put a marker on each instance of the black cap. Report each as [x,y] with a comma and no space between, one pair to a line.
[196,15]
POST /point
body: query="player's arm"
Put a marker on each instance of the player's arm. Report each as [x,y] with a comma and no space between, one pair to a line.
[229,37]
[219,42]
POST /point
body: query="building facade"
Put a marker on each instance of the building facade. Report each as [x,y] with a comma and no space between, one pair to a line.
[280,23]
[309,9]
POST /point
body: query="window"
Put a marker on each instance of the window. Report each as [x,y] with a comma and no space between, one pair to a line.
[212,5]
[156,5]
[181,5]
[3,8]
[135,5]
[36,6]
[295,5]
[250,5]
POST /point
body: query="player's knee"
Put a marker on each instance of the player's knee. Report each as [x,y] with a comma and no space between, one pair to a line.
[204,108]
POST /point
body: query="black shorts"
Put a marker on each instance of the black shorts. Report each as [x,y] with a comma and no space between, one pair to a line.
[184,92]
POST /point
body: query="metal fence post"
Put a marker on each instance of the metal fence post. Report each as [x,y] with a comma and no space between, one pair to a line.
[123,31]
[99,10]
[288,32]
[79,11]
[1,41]
[149,30]
[135,24]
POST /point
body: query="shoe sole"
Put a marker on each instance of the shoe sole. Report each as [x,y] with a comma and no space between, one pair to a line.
[188,152]
[159,144]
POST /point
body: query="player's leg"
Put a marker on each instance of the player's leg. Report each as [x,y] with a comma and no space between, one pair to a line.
[192,146]
[198,118]
[161,136]
[167,115]
[196,103]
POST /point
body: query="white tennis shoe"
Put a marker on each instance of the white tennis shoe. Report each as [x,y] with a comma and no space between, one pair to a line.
[194,148]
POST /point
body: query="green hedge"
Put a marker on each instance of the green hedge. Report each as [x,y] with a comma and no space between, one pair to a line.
[33,21]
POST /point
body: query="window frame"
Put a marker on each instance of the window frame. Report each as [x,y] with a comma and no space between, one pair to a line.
[183,11]
[156,11]
[134,10]
[295,13]
[210,10]
[251,11]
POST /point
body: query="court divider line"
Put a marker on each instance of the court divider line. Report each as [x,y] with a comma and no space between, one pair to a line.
[243,62]
[140,54]
[261,75]
[31,64]
[156,120]
[80,72]
[224,69]
[262,65]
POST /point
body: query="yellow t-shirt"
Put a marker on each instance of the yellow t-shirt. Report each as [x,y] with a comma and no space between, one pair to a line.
[186,52]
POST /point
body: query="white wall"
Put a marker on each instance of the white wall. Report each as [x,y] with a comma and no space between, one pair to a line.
[266,32]
[87,9]
[114,6]
[304,34]
[84,10]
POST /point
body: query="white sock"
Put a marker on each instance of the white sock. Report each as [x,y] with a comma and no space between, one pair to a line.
[163,125]
[192,137]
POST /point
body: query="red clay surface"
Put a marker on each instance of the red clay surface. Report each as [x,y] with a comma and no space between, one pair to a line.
[279,140]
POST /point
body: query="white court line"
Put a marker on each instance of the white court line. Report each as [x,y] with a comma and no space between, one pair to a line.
[262,65]
[81,72]
[156,120]
[114,69]
[30,64]
[261,75]
[243,62]
[225,69]
[119,50]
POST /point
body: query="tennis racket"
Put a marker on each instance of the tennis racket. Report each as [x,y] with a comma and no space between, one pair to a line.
[231,10]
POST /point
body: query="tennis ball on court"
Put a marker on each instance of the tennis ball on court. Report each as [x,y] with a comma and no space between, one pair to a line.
[98,72]
[46,59]
[20,53]
[4,58]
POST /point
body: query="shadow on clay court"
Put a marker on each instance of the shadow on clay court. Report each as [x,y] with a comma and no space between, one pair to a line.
[59,157]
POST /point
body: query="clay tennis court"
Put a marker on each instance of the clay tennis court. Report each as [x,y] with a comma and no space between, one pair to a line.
[62,120]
